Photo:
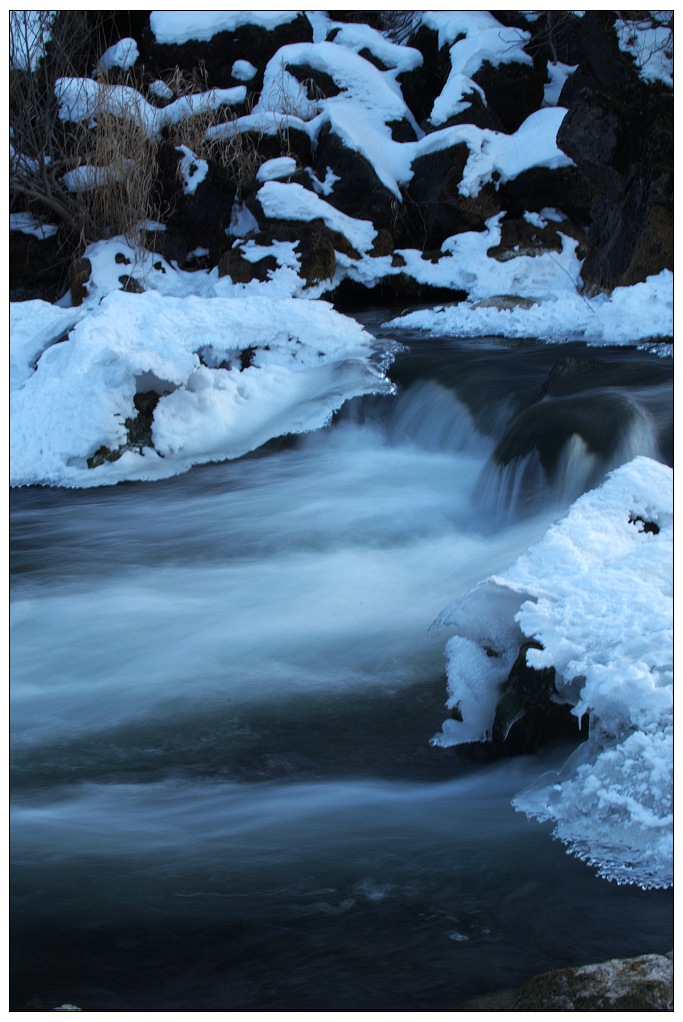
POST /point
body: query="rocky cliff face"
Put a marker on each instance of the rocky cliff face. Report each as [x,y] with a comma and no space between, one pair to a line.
[423,125]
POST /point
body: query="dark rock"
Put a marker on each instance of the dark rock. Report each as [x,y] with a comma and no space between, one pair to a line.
[217,55]
[421,86]
[315,83]
[103,455]
[505,302]
[619,132]
[383,244]
[564,188]
[650,527]
[443,210]
[395,290]
[240,270]
[197,220]
[169,243]
[308,233]
[513,91]
[520,238]
[529,712]
[358,192]
[317,256]
[37,267]
[131,285]
[477,113]
[79,276]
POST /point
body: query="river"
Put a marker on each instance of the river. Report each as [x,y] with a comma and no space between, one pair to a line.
[223,689]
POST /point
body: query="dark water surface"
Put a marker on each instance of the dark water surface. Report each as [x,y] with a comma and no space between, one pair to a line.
[223,691]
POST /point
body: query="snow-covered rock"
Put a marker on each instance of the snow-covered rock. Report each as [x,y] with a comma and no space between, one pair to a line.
[596,595]
[226,375]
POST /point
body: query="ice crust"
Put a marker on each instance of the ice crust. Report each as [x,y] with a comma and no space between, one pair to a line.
[597,593]
[231,372]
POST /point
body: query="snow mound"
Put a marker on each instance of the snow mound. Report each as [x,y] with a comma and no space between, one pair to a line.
[626,316]
[217,377]
[178,27]
[596,592]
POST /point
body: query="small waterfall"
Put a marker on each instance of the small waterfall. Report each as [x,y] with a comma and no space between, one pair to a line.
[556,450]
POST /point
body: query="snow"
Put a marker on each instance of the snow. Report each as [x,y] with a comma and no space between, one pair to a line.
[30,32]
[71,399]
[596,592]
[192,169]
[650,42]
[532,145]
[122,54]
[243,71]
[34,326]
[626,316]
[160,88]
[87,177]
[83,99]
[273,170]
[177,27]
[558,74]
[362,37]
[27,223]
[294,202]
[325,187]
[484,40]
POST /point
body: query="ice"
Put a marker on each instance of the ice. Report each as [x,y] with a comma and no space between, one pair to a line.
[596,593]
[232,373]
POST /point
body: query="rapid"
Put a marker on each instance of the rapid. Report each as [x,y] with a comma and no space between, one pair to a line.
[223,692]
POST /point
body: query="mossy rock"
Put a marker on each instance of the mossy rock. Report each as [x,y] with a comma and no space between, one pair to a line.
[621,984]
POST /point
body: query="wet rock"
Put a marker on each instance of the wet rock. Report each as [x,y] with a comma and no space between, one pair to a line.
[547,426]
[621,984]
[529,713]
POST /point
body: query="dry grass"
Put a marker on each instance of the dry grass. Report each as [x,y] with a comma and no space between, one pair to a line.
[115,149]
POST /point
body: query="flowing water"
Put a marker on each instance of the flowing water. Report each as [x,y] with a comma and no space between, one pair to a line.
[223,691]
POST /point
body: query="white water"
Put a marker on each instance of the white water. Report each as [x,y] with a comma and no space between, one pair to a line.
[223,691]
